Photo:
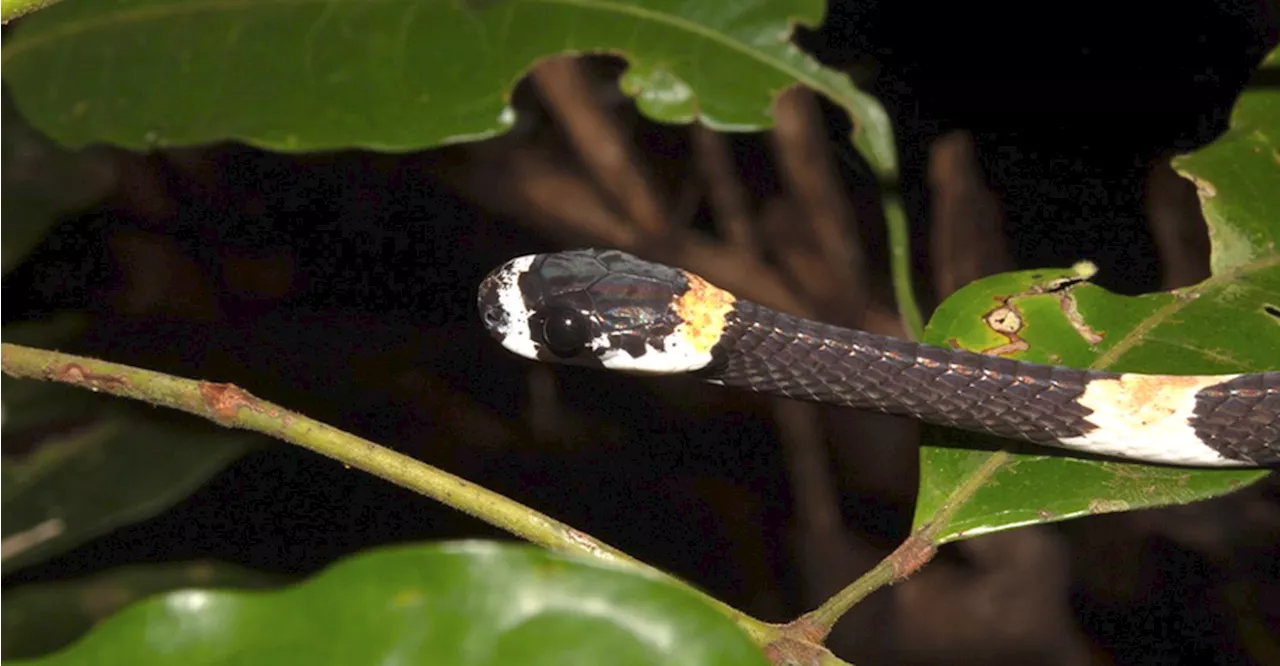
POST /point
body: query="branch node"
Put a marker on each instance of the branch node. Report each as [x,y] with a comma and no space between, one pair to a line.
[223,400]
[914,553]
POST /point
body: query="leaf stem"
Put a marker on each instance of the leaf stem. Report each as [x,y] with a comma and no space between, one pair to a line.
[914,553]
[233,407]
[900,264]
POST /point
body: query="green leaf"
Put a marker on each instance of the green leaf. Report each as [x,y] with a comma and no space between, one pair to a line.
[1228,323]
[43,617]
[77,465]
[398,75]
[1152,333]
[1236,178]
[41,183]
[468,603]
[13,9]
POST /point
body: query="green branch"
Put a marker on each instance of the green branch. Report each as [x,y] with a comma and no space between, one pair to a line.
[233,407]
[914,553]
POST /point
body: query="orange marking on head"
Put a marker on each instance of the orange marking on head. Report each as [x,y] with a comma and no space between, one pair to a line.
[703,308]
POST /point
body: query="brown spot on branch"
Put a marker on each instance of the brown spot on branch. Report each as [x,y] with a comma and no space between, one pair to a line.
[224,400]
[914,553]
[793,652]
[74,373]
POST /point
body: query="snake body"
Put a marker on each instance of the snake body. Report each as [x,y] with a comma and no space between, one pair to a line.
[609,309]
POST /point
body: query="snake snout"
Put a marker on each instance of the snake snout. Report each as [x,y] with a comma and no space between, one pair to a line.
[488,298]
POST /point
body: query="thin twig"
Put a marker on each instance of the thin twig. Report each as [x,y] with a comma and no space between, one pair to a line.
[233,407]
[531,187]
[599,142]
[727,196]
[1181,235]
[968,232]
[914,553]
[781,228]
[822,541]
[819,527]
[810,175]
[27,539]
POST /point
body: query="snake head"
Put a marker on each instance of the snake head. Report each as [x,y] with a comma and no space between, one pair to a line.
[599,308]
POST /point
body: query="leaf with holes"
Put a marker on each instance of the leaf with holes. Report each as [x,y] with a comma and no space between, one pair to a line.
[1228,323]
[470,603]
[398,75]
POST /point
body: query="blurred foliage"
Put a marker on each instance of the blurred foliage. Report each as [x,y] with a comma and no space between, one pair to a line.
[466,603]
[42,617]
[41,182]
[77,465]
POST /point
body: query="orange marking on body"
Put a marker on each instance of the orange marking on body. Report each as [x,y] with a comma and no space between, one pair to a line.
[1147,400]
[702,308]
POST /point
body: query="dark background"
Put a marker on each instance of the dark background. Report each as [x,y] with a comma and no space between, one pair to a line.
[342,285]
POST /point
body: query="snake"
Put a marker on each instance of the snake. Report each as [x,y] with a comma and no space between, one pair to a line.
[608,309]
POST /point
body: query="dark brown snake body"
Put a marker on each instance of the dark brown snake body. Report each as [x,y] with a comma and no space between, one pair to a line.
[609,309]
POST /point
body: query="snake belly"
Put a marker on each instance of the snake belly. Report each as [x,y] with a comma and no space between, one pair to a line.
[609,309]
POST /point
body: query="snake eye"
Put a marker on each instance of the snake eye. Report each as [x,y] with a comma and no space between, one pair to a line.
[565,332]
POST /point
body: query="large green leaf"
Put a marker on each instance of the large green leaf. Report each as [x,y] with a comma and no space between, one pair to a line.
[1153,333]
[1228,323]
[472,603]
[397,74]
[77,465]
[42,617]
